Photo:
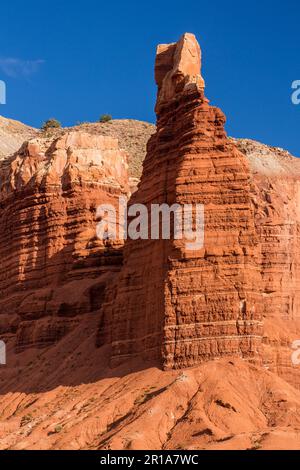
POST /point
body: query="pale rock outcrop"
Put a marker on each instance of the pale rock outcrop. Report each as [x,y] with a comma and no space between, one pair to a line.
[12,135]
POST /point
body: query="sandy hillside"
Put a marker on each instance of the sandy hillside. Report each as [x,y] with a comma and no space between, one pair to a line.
[12,135]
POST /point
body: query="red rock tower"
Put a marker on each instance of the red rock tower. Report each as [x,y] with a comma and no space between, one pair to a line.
[171,304]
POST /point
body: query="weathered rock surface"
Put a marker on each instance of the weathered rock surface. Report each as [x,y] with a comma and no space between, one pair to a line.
[132,136]
[53,266]
[12,135]
[178,306]
[276,198]
[62,291]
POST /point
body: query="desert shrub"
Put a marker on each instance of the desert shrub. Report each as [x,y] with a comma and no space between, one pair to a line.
[51,124]
[105,118]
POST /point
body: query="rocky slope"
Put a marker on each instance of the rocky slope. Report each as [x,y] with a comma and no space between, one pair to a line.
[67,397]
[12,135]
[87,333]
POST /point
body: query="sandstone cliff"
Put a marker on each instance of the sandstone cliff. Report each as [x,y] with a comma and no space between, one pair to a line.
[53,266]
[276,197]
[63,291]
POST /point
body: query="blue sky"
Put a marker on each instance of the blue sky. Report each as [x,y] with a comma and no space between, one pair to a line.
[78,60]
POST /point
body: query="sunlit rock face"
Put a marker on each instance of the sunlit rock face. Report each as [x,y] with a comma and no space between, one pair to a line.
[238,294]
[276,199]
[171,304]
[54,268]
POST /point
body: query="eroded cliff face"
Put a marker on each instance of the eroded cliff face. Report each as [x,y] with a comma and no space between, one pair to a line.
[174,305]
[169,304]
[63,291]
[276,199]
[53,266]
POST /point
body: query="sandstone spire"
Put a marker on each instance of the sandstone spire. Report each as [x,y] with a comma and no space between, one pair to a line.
[169,304]
[178,67]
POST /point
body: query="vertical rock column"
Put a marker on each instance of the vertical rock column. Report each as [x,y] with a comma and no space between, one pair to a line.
[171,304]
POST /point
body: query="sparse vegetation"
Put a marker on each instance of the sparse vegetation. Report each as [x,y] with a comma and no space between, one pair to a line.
[105,118]
[58,428]
[256,446]
[26,419]
[51,124]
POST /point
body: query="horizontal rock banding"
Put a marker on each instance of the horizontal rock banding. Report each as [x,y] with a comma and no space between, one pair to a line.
[173,305]
[51,257]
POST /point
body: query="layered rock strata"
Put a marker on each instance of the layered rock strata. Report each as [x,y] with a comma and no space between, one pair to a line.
[54,267]
[171,304]
[276,199]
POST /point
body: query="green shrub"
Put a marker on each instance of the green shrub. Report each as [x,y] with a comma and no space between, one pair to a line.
[51,124]
[105,118]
